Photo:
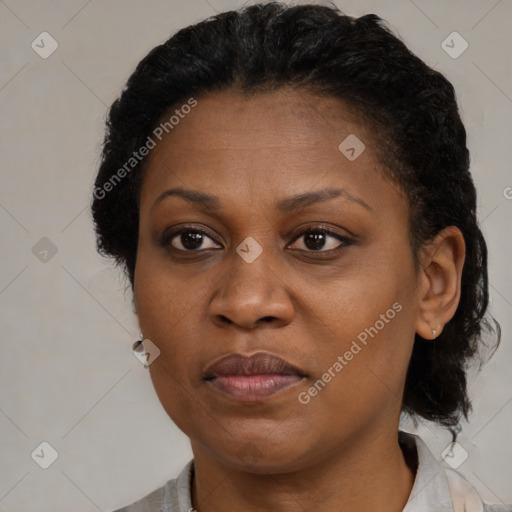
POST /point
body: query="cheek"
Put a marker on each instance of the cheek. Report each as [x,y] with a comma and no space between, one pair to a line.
[163,301]
[370,318]
[165,312]
[362,373]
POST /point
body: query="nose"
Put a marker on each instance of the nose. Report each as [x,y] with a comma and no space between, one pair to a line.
[252,295]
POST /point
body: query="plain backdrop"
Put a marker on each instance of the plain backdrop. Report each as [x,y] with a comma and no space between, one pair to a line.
[67,373]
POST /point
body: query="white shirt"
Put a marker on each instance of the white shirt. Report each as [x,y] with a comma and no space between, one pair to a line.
[435,489]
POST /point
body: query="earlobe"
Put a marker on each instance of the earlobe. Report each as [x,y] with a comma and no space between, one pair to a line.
[441,265]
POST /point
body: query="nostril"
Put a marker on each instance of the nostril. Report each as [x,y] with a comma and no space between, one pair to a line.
[267,319]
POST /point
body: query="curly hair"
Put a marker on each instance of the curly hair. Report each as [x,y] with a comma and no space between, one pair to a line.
[411,107]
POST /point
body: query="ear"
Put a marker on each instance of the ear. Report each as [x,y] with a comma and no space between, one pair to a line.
[440,275]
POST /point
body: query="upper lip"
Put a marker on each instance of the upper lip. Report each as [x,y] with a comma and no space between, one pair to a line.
[257,364]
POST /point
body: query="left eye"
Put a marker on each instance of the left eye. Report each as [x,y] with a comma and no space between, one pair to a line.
[315,240]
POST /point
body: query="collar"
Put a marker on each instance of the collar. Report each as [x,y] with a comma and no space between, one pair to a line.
[430,491]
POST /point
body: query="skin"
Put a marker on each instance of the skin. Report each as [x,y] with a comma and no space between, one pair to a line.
[303,305]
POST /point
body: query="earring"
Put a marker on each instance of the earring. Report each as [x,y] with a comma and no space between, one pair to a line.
[137,344]
[435,332]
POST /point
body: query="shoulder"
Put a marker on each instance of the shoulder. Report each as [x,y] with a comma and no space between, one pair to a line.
[174,496]
[497,508]
[465,497]
[438,487]
[152,502]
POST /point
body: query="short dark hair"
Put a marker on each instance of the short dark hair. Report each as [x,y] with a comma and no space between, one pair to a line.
[411,107]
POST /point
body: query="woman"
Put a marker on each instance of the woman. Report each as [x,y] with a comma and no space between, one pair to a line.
[288,189]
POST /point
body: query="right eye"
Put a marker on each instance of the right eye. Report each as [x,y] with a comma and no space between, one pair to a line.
[189,240]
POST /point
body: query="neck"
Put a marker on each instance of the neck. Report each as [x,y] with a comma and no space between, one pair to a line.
[371,475]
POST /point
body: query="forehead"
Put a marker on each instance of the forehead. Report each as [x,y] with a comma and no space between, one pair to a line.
[266,145]
[288,125]
[232,119]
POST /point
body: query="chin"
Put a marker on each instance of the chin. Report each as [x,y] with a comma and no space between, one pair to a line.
[261,456]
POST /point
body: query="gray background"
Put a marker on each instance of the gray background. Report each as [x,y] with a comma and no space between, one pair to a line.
[67,373]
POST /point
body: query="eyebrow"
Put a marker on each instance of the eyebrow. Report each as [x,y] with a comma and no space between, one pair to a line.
[286,205]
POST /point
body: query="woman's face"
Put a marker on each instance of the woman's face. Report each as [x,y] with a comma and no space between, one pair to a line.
[301,251]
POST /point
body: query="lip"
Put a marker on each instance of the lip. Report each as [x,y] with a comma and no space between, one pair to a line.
[252,378]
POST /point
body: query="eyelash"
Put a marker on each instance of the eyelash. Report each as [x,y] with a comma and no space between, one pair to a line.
[346,241]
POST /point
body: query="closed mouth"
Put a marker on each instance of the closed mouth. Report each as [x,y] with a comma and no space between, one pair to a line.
[252,378]
[260,363]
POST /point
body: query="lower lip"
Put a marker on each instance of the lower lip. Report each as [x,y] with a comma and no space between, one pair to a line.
[253,388]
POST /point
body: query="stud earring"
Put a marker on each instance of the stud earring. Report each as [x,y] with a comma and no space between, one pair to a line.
[436,332]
